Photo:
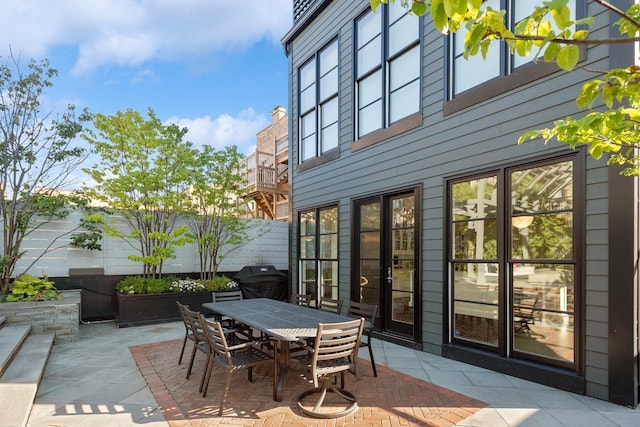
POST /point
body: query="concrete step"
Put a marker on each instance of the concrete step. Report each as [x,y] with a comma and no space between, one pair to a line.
[2,320]
[19,384]
[11,339]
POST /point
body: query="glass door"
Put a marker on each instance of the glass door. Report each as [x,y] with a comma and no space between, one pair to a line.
[385,250]
[400,264]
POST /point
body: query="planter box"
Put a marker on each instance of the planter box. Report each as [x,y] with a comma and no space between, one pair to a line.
[61,317]
[137,310]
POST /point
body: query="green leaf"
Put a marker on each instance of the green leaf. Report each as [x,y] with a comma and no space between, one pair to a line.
[419,8]
[448,7]
[438,15]
[523,47]
[568,57]
[581,34]
[588,93]
[551,52]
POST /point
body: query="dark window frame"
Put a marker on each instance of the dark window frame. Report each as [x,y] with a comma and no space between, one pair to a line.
[400,125]
[510,358]
[317,259]
[510,77]
[329,154]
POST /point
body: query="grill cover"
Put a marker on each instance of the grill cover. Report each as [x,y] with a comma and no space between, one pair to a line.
[262,281]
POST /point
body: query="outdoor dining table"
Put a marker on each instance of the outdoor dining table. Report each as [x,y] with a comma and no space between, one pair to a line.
[284,322]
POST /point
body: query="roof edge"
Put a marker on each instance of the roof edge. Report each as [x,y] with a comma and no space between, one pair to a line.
[303,23]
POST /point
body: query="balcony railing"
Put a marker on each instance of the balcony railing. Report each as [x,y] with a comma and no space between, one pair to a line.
[260,170]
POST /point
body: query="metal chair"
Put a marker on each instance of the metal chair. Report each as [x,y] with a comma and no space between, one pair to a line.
[300,299]
[188,332]
[368,312]
[232,358]
[229,324]
[330,304]
[200,344]
[524,314]
[334,352]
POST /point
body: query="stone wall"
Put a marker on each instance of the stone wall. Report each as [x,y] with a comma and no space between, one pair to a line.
[60,316]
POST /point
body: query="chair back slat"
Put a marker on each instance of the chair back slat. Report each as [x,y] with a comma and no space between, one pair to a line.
[214,333]
[361,309]
[181,310]
[195,322]
[300,299]
[337,340]
[226,296]
[330,304]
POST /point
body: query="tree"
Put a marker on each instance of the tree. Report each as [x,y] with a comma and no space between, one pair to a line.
[37,160]
[553,36]
[213,213]
[142,175]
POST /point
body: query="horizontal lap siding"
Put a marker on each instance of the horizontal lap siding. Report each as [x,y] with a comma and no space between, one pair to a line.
[477,138]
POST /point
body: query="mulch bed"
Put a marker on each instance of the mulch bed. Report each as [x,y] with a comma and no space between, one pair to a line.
[390,399]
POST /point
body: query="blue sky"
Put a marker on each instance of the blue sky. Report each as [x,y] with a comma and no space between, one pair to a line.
[216,67]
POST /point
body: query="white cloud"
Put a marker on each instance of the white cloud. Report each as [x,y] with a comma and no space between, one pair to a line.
[225,130]
[130,32]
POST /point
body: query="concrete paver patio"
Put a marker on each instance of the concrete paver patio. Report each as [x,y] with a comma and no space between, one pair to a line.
[96,382]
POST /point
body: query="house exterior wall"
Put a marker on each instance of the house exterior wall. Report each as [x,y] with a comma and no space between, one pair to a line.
[476,138]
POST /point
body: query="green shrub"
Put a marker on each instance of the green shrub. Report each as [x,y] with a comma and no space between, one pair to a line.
[29,288]
[220,283]
[142,285]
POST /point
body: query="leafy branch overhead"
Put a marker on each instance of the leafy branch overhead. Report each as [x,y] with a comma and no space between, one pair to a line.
[551,35]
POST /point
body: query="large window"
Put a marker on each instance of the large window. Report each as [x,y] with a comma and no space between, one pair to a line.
[318,259]
[387,67]
[513,262]
[318,103]
[469,73]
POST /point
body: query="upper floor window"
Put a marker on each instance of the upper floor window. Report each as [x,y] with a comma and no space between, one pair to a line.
[468,73]
[318,103]
[387,67]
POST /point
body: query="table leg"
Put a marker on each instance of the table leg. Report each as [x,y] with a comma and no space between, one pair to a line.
[282,357]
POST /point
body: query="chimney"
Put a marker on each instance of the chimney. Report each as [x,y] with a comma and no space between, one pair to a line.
[277,113]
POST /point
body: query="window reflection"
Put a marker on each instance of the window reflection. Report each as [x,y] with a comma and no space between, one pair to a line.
[532,272]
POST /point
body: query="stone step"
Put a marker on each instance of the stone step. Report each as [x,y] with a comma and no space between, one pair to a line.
[2,320]
[19,384]
[11,339]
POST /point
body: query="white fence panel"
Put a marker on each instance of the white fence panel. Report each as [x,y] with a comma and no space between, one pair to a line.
[267,248]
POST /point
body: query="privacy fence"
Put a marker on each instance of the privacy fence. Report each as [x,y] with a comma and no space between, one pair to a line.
[268,245]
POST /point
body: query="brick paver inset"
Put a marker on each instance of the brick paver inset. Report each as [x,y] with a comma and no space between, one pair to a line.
[391,399]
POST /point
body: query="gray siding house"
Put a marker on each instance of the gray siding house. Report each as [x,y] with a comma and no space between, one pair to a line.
[409,191]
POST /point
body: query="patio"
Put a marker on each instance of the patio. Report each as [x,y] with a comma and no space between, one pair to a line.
[96,381]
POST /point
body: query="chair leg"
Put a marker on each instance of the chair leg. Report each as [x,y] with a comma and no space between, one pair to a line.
[184,344]
[203,388]
[327,385]
[227,384]
[193,356]
[373,362]
[209,369]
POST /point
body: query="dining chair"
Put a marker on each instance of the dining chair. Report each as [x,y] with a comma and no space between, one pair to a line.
[368,312]
[227,323]
[330,304]
[334,352]
[200,344]
[300,299]
[524,314]
[188,332]
[233,358]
